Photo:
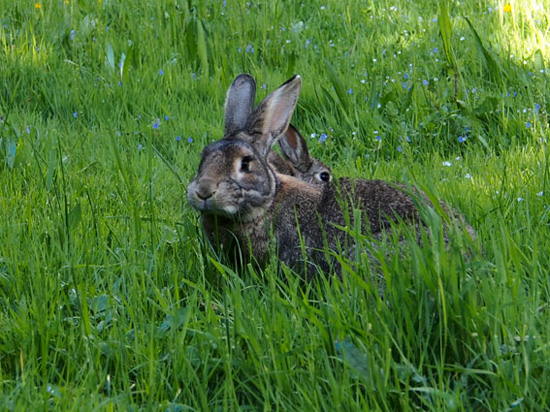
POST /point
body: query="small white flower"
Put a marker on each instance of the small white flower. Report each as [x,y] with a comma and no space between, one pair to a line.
[446,163]
[468,176]
[520,199]
[540,194]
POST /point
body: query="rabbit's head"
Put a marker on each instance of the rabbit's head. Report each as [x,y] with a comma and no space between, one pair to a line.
[234,178]
[294,149]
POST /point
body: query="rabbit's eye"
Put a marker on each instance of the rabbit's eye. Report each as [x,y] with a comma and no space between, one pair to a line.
[245,163]
[324,176]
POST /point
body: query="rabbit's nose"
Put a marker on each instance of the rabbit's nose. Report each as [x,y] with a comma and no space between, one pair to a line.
[204,191]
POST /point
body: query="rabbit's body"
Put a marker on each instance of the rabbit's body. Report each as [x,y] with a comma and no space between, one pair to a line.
[245,200]
[318,219]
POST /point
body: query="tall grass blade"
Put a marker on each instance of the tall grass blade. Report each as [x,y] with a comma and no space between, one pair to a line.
[337,84]
[51,169]
[110,58]
[202,47]
[445,29]
[495,72]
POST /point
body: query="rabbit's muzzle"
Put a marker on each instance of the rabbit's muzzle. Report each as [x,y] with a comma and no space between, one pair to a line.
[208,195]
[201,194]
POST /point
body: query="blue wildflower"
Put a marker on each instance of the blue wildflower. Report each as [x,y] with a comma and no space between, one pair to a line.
[350,91]
[161,72]
[425,82]
[528,125]
[72,34]
[322,138]
[178,138]
[189,140]
[166,118]
[155,125]
[399,149]
[75,114]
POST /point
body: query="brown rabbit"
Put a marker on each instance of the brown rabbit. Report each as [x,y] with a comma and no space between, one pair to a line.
[297,162]
[241,196]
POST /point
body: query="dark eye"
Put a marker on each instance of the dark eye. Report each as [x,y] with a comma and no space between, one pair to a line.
[245,163]
[324,176]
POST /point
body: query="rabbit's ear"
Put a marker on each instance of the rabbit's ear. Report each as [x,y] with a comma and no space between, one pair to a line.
[239,103]
[272,116]
[294,148]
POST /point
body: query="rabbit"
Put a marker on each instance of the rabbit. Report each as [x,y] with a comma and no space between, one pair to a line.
[297,162]
[243,199]
[294,149]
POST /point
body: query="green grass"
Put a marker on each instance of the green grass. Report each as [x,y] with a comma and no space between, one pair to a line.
[111,300]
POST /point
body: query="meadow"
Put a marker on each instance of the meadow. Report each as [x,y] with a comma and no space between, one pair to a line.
[111,299]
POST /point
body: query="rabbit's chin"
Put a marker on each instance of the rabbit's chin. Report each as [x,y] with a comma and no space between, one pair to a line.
[208,206]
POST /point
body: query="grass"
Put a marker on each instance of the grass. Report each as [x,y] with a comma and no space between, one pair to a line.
[111,300]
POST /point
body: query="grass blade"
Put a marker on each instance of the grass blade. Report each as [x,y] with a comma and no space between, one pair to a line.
[490,61]
[445,29]
[337,84]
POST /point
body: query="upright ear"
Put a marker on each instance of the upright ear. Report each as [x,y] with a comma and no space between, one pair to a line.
[294,148]
[272,116]
[239,103]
